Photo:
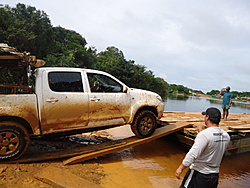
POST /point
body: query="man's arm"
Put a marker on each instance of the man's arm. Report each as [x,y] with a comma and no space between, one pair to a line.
[180,170]
[221,91]
[230,102]
[197,148]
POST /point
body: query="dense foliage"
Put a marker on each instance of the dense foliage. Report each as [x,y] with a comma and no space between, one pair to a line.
[241,94]
[236,94]
[180,89]
[213,92]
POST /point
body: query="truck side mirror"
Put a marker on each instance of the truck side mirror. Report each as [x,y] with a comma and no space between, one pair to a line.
[125,89]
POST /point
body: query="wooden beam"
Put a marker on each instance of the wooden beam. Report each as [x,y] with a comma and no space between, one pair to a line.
[241,127]
[9,57]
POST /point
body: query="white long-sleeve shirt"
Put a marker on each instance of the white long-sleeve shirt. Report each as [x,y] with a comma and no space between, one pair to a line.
[207,151]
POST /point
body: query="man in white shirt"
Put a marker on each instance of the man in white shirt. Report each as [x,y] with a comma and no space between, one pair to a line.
[205,156]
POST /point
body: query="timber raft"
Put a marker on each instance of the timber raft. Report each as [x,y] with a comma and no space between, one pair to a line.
[183,124]
[237,125]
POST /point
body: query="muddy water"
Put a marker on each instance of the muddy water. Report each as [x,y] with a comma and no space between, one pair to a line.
[153,165]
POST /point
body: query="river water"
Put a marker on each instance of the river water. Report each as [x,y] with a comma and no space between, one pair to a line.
[199,104]
[153,164]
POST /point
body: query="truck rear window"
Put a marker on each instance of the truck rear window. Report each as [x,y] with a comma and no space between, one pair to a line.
[65,81]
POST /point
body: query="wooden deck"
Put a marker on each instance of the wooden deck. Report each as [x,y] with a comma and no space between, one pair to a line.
[237,126]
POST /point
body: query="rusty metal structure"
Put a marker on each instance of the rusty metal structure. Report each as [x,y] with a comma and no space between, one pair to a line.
[15,70]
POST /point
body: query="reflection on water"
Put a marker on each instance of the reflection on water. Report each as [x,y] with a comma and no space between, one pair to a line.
[234,104]
[153,165]
[150,165]
[198,104]
[178,97]
[235,171]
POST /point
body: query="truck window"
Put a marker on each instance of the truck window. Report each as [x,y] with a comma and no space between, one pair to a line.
[65,81]
[102,83]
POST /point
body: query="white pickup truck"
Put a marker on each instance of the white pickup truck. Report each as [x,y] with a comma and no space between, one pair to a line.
[73,100]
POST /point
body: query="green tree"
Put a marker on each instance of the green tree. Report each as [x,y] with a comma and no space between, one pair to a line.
[71,46]
[112,61]
[30,30]
[213,92]
[27,29]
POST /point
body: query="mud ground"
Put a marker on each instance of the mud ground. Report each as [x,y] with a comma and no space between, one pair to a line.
[25,175]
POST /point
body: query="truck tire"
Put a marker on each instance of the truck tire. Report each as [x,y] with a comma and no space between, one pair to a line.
[14,140]
[144,124]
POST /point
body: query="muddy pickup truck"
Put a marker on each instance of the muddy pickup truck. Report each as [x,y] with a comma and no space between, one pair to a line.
[65,101]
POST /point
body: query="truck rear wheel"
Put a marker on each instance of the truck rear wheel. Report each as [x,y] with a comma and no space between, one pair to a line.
[144,124]
[14,140]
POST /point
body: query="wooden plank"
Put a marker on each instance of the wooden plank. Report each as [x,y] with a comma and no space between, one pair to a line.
[244,131]
[36,157]
[57,177]
[9,57]
[69,152]
[241,127]
[129,142]
[16,86]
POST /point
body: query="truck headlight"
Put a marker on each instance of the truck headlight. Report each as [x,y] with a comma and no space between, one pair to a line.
[159,98]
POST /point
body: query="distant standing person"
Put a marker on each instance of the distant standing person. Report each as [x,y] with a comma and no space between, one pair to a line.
[227,101]
[204,157]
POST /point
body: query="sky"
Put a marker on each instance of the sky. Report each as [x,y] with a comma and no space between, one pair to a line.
[203,45]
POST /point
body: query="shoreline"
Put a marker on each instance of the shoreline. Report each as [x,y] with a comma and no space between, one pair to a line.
[207,96]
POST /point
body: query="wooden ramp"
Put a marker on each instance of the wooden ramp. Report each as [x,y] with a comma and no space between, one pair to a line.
[90,152]
[129,142]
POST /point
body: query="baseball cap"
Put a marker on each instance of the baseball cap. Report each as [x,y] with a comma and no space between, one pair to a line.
[212,112]
[228,87]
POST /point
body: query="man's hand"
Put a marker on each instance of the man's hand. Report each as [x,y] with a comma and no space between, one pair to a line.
[178,173]
[221,91]
[180,170]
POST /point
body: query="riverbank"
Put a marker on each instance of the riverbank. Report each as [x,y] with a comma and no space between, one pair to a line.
[208,96]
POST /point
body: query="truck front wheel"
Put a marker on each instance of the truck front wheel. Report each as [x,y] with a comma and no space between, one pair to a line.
[144,124]
[14,140]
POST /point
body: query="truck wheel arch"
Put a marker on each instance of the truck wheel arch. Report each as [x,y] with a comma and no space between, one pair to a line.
[145,108]
[18,120]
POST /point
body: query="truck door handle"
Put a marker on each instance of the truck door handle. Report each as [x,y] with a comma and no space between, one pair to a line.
[52,100]
[95,99]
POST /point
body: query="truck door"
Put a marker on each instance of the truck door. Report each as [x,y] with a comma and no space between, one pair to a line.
[65,104]
[108,104]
